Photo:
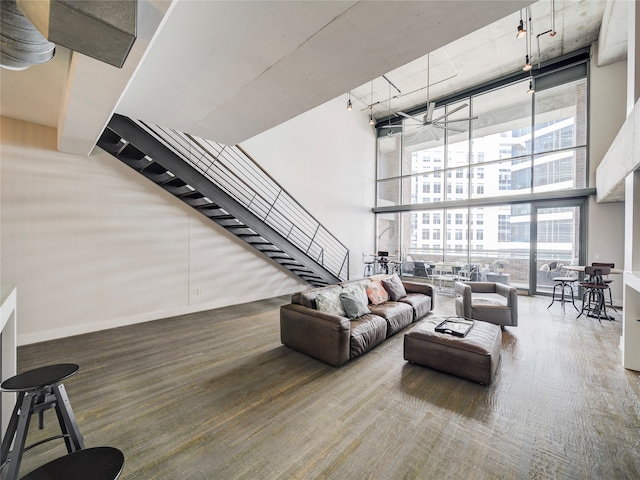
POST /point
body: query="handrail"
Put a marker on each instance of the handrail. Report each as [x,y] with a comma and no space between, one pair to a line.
[233,170]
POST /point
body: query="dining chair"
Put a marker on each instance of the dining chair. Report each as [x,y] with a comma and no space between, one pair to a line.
[564,280]
[368,265]
[419,269]
[607,281]
[551,272]
[593,303]
[444,277]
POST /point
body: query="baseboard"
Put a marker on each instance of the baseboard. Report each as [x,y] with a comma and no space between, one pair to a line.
[56,333]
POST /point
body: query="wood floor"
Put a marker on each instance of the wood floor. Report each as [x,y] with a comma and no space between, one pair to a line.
[215,395]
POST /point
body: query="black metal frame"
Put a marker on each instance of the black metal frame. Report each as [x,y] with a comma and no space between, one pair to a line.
[227,186]
[29,403]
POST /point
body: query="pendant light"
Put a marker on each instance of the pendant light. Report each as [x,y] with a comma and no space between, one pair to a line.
[527,46]
[372,122]
[521,30]
[349,104]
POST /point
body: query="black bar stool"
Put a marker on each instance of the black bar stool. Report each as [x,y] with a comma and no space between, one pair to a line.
[98,463]
[593,302]
[38,390]
[563,282]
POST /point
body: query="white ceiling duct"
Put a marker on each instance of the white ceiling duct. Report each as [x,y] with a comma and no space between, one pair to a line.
[102,30]
[22,45]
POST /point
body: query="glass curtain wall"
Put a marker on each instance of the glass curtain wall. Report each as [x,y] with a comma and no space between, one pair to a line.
[519,144]
[557,241]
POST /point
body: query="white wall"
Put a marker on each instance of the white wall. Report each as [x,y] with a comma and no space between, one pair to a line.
[605,236]
[91,244]
[326,159]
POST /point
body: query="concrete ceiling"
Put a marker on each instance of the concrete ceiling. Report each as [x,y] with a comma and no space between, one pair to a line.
[493,51]
[227,70]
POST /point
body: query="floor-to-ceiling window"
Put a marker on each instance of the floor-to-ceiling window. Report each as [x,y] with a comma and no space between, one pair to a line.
[466,194]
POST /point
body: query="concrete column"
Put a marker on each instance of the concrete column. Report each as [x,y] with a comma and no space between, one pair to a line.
[632,181]
[630,340]
[632,222]
[633,50]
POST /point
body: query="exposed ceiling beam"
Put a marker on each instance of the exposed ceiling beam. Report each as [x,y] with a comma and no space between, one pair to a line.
[102,30]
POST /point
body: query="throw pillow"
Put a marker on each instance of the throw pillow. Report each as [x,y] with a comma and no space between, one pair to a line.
[353,304]
[359,289]
[376,293]
[329,302]
[393,285]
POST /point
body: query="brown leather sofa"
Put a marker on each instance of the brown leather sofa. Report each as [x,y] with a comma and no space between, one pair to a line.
[336,339]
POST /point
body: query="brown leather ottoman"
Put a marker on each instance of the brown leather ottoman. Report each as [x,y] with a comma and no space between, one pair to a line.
[474,356]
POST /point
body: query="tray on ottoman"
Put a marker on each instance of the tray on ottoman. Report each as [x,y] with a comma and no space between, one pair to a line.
[474,357]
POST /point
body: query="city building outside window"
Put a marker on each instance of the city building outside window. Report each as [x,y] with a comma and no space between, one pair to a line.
[519,144]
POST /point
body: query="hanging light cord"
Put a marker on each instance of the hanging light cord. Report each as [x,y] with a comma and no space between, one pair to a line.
[372,122]
[552,31]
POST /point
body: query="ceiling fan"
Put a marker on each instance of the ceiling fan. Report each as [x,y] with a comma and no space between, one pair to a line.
[442,121]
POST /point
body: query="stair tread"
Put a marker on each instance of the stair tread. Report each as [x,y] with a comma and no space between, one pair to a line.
[126,146]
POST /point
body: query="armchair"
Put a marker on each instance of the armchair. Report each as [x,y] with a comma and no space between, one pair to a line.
[487,301]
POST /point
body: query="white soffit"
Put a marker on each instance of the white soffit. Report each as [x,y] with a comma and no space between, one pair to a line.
[24,97]
[622,158]
[227,71]
[94,88]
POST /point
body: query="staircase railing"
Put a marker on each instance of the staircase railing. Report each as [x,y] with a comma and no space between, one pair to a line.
[233,170]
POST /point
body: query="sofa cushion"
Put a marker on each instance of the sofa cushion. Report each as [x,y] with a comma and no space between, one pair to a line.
[353,302]
[420,303]
[329,302]
[308,299]
[394,287]
[397,314]
[366,332]
[488,300]
[376,293]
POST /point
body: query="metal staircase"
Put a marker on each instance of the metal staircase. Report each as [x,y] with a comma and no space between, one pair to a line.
[226,185]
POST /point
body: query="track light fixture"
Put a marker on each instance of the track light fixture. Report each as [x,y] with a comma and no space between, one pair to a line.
[531,89]
[349,104]
[527,44]
[372,122]
[521,30]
